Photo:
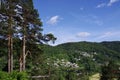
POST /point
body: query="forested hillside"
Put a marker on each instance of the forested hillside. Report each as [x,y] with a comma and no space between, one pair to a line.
[104,51]
[88,57]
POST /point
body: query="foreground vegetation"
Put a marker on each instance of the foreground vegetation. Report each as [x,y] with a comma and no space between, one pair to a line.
[13,76]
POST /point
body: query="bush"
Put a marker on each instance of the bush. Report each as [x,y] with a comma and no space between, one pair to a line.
[15,75]
[4,76]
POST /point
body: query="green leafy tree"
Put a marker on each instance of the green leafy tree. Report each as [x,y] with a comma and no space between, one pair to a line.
[108,71]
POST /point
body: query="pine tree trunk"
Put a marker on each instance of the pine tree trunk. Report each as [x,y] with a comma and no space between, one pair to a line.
[23,53]
[10,47]
[20,63]
[9,54]
[22,57]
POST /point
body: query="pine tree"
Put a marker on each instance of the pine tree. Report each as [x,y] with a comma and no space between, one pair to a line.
[49,37]
[30,28]
[21,20]
[7,14]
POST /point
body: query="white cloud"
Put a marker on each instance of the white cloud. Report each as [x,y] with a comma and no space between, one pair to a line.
[101,5]
[83,34]
[65,38]
[53,20]
[109,35]
[112,2]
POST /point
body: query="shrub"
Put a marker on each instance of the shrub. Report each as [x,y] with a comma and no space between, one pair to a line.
[15,75]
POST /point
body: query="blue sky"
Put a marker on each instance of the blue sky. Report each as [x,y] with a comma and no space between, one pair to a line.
[80,20]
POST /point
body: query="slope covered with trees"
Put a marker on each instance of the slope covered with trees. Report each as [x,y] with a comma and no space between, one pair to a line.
[87,57]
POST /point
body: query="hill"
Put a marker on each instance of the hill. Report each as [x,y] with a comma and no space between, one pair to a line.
[102,51]
[75,60]
[99,52]
[88,57]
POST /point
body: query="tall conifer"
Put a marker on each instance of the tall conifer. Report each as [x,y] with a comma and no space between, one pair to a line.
[7,14]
